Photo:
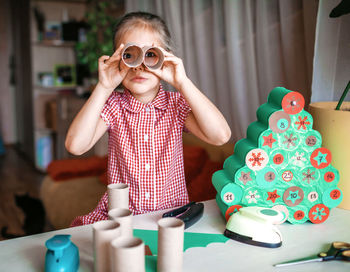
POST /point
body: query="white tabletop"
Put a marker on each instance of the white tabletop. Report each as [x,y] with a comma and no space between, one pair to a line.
[28,253]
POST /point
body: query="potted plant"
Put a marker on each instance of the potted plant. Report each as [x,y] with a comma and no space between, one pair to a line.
[101,18]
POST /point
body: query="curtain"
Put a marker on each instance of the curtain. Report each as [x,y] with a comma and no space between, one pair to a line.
[332,54]
[237,51]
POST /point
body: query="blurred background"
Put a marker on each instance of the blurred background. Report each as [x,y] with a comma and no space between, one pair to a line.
[235,51]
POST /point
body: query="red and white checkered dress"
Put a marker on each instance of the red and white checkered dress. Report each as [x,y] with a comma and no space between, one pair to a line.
[145,151]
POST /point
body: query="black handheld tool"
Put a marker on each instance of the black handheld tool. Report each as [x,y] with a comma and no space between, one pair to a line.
[189,213]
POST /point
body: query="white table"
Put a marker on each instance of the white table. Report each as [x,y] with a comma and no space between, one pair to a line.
[28,253]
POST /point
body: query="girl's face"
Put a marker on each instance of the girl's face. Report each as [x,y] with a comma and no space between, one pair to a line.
[142,84]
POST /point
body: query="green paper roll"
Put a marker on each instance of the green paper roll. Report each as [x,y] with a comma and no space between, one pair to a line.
[220,179]
[278,169]
[264,112]
[298,214]
[245,177]
[242,148]
[311,140]
[231,165]
[276,96]
[222,206]
[329,177]
[302,122]
[268,141]
[254,130]
[332,197]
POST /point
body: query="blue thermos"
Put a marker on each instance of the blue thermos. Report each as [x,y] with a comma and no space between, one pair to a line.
[61,255]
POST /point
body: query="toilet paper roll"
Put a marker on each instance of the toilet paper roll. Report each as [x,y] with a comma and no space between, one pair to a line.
[124,218]
[170,244]
[103,233]
[118,196]
[127,254]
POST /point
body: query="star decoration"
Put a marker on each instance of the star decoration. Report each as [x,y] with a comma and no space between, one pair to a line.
[293,196]
[309,176]
[318,213]
[321,158]
[253,196]
[245,177]
[302,122]
[273,196]
[269,140]
[290,140]
[256,159]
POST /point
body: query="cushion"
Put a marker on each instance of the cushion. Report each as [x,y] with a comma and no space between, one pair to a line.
[66,169]
[63,201]
[201,188]
[194,160]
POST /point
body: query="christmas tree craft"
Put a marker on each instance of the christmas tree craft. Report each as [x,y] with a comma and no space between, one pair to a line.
[280,164]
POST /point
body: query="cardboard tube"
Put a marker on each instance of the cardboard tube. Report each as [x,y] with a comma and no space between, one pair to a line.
[158,52]
[136,55]
[124,218]
[103,232]
[170,244]
[118,196]
[128,254]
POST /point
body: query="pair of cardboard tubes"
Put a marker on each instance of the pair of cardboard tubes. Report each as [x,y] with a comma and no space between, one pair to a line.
[151,56]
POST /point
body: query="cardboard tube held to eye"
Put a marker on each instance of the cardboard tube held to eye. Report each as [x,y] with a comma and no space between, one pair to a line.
[160,54]
[139,54]
[124,218]
[118,196]
[170,244]
[103,233]
[128,254]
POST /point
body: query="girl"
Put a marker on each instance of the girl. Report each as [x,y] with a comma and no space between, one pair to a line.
[144,123]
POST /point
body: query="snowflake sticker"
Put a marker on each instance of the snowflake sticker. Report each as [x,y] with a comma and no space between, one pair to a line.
[302,123]
[257,159]
[299,159]
[309,175]
[318,213]
[289,140]
[293,103]
[253,196]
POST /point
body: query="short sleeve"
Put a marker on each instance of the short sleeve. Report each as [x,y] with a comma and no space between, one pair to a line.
[108,113]
[183,110]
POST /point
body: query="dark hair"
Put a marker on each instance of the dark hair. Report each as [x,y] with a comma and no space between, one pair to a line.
[145,20]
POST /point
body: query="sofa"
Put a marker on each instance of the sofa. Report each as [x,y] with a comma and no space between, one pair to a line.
[73,187]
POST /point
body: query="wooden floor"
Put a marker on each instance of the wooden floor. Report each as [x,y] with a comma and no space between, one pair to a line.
[17,176]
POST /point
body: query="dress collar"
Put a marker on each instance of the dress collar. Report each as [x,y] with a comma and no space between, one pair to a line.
[132,104]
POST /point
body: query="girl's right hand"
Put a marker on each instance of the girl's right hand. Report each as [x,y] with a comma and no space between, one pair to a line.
[110,74]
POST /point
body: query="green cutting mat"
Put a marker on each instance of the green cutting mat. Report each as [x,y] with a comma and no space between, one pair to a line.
[191,239]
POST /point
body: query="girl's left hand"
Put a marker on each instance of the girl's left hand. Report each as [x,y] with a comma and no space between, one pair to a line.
[172,71]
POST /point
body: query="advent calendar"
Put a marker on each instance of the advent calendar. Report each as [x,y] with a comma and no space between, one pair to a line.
[281,164]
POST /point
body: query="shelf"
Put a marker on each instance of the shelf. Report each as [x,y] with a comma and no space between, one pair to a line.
[54,43]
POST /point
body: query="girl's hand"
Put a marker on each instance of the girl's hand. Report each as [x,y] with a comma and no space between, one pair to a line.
[172,71]
[110,74]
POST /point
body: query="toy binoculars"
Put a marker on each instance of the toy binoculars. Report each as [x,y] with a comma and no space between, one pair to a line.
[134,55]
